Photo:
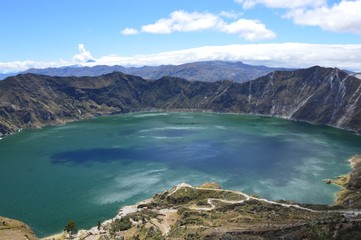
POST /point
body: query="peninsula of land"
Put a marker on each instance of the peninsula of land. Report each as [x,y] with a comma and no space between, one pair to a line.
[209,212]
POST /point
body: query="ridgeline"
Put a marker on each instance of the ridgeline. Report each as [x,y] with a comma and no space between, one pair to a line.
[326,96]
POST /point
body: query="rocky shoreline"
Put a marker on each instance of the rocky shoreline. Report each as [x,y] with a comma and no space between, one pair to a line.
[350,195]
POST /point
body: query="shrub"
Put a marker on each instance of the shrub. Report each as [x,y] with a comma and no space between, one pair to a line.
[121,224]
[71,227]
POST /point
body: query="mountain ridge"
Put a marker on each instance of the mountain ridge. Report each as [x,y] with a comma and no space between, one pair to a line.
[206,71]
[326,96]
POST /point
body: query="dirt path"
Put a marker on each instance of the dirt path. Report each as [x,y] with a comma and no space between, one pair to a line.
[169,219]
[210,202]
[246,196]
[179,186]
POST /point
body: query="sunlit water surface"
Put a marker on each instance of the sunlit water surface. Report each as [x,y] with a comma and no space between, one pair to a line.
[85,171]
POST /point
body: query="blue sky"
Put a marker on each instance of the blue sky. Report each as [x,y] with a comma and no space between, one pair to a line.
[43,33]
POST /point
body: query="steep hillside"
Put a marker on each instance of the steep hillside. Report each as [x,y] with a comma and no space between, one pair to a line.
[318,95]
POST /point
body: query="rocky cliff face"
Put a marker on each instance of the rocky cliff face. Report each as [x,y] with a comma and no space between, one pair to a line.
[318,95]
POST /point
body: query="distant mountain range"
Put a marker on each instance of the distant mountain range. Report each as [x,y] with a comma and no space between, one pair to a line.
[5,75]
[318,95]
[209,71]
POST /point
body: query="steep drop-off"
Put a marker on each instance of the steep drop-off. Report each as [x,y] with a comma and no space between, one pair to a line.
[317,95]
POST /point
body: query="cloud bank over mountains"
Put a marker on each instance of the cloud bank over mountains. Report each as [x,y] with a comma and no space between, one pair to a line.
[292,55]
[338,16]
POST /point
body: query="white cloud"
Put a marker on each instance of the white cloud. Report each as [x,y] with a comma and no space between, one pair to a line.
[17,66]
[249,29]
[342,17]
[231,14]
[83,56]
[181,21]
[129,31]
[282,3]
[293,55]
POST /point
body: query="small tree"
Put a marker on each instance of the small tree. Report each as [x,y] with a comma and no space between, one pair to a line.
[71,227]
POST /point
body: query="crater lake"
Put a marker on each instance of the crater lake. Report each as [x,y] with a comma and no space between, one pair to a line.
[85,171]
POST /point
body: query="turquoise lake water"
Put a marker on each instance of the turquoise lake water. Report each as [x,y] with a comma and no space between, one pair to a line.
[85,171]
